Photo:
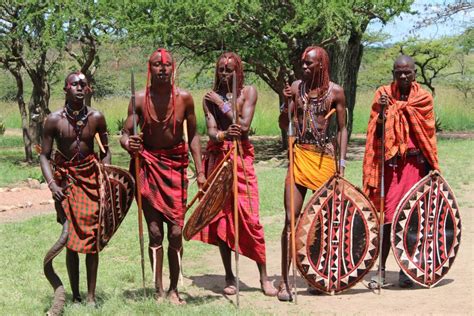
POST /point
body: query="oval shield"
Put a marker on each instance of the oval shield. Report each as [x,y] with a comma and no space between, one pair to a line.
[117,190]
[212,201]
[337,237]
[426,230]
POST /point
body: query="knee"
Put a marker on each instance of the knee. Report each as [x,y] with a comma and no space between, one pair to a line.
[155,235]
[175,237]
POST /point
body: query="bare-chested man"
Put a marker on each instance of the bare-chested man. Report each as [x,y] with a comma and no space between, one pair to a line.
[161,109]
[221,131]
[311,99]
[75,182]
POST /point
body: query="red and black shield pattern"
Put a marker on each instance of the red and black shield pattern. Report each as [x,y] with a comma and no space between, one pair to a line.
[426,230]
[117,192]
[337,237]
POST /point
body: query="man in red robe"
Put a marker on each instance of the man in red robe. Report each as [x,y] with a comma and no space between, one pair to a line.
[161,109]
[410,145]
[221,131]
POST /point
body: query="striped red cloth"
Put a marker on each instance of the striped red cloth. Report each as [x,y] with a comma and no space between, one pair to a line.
[414,117]
[164,181]
[251,236]
[81,205]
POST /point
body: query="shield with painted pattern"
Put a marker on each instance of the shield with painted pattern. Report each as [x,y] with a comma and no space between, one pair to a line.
[117,189]
[337,237]
[426,230]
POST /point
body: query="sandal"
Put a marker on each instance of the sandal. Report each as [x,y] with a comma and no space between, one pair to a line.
[375,282]
[284,293]
[230,287]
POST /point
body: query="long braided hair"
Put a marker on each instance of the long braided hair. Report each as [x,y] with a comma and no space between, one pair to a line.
[239,70]
[162,52]
[322,80]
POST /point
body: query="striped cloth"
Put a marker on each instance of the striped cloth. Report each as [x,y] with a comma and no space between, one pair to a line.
[164,181]
[81,206]
[251,235]
[403,118]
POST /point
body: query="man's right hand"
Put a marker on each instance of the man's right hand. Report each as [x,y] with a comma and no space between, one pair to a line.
[234,130]
[135,143]
[57,191]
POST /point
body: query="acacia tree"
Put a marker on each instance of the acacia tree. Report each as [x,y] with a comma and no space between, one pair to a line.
[29,37]
[270,36]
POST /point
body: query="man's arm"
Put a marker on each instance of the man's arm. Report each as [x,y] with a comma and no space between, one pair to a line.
[128,141]
[248,108]
[104,139]
[49,130]
[211,124]
[342,128]
[193,138]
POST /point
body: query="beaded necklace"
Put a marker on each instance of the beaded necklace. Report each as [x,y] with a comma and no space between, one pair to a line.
[307,131]
[78,120]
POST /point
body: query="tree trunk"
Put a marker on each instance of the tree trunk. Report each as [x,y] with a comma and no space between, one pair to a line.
[284,136]
[38,107]
[16,72]
[346,58]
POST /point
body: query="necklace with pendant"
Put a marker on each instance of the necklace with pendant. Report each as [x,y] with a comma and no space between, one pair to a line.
[78,120]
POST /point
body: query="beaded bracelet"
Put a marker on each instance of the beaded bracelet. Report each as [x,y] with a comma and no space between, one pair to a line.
[50,181]
[342,163]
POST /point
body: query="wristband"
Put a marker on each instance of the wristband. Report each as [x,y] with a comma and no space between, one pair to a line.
[220,136]
[226,107]
[342,163]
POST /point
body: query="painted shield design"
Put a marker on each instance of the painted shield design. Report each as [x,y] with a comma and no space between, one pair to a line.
[426,230]
[116,192]
[337,237]
[212,201]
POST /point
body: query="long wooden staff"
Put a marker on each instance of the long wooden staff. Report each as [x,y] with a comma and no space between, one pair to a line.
[291,141]
[382,201]
[139,194]
[236,186]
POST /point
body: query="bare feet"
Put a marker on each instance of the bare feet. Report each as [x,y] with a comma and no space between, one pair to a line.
[77,299]
[159,297]
[284,292]
[267,288]
[91,301]
[230,288]
[174,298]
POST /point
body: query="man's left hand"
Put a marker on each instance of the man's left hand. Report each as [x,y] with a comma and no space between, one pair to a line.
[201,179]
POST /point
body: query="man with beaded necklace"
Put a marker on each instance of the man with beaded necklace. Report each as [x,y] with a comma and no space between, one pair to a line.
[74,184]
[310,100]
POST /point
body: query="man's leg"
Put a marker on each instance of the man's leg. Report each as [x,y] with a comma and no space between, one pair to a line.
[72,264]
[154,221]
[226,256]
[266,285]
[284,293]
[175,251]
[92,265]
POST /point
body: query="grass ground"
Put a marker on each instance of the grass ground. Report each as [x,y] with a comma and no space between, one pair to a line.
[25,291]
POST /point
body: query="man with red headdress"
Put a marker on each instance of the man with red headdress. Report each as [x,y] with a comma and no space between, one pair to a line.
[410,145]
[75,182]
[310,100]
[161,110]
[221,131]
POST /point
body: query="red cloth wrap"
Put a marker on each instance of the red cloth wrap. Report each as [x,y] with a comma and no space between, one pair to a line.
[164,180]
[251,236]
[81,205]
[409,124]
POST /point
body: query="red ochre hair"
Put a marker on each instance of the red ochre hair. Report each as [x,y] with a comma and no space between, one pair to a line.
[162,52]
[323,78]
[239,70]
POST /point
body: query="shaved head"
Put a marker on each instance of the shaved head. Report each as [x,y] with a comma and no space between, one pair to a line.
[404,60]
